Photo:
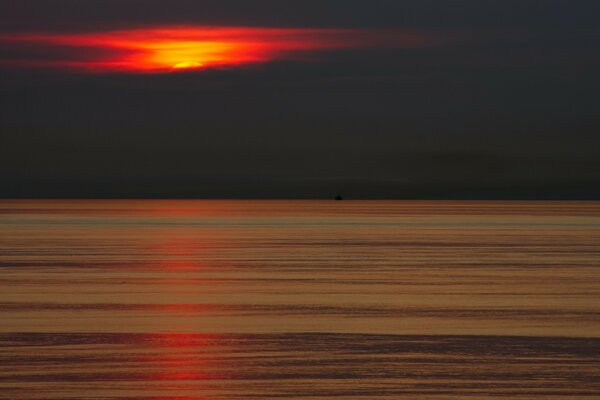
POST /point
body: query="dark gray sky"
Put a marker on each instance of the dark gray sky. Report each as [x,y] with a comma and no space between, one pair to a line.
[505,106]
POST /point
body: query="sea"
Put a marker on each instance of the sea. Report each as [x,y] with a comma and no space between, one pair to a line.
[244,299]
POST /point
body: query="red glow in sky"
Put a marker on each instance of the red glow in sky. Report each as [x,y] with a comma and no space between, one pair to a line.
[160,50]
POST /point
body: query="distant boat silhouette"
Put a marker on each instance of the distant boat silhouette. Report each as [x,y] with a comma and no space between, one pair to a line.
[339,197]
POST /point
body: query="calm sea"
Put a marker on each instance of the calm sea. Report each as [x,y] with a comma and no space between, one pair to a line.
[185,300]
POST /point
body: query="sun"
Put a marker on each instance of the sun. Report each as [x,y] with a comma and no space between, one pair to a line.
[166,49]
[184,54]
[188,65]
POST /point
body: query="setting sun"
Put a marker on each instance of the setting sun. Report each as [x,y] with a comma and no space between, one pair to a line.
[179,48]
[188,65]
[165,49]
[186,54]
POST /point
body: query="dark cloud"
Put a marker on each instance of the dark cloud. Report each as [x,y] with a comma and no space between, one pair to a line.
[461,14]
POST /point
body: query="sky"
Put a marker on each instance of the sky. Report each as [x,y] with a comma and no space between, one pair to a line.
[300,99]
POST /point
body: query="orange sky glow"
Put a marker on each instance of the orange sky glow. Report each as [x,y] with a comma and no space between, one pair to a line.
[170,49]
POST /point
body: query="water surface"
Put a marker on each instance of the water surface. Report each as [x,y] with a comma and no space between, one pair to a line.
[299,300]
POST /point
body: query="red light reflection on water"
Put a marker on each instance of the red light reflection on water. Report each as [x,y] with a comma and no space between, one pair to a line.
[183,363]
